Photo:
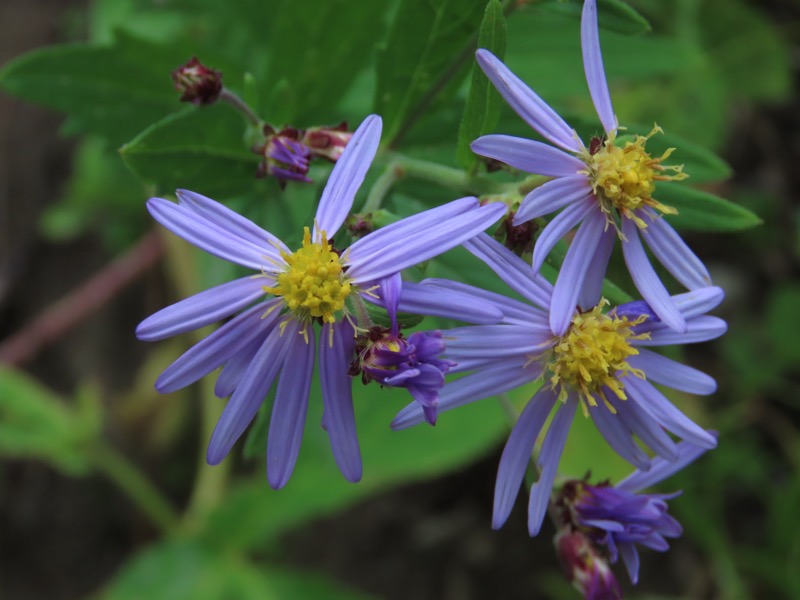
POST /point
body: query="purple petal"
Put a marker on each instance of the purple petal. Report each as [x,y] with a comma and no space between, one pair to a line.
[335,355]
[289,411]
[593,65]
[630,556]
[514,271]
[517,453]
[666,371]
[235,368]
[250,392]
[646,428]
[672,252]
[662,410]
[698,302]
[231,221]
[646,279]
[514,310]
[551,196]
[390,289]
[202,309]
[573,271]
[433,238]
[661,469]
[208,236]
[475,386]
[549,456]
[528,155]
[558,227]
[699,329]
[495,341]
[619,437]
[533,110]
[593,284]
[347,176]
[217,348]
[434,301]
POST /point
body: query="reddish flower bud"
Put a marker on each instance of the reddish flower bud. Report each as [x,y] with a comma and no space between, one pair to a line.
[327,142]
[585,567]
[517,238]
[197,83]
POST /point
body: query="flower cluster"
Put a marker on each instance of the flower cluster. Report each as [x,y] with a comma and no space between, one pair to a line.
[308,305]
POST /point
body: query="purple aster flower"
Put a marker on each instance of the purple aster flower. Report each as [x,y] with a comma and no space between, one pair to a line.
[585,567]
[285,156]
[275,339]
[619,517]
[605,188]
[601,363]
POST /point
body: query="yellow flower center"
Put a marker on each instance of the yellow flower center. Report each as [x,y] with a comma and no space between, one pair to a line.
[592,356]
[623,177]
[313,286]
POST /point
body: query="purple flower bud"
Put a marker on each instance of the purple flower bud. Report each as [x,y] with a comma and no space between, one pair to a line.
[585,567]
[285,156]
[412,363]
[327,142]
[197,83]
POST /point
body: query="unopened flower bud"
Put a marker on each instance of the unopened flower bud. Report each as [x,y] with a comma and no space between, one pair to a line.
[517,238]
[327,142]
[285,157]
[585,567]
[197,83]
[359,225]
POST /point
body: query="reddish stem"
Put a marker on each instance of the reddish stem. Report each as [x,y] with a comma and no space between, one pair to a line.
[82,301]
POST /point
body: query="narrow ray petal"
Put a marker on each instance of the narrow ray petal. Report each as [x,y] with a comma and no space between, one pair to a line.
[592,289]
[630,556]
[672,252]
[337,397]
[390,289]
[347,176]
[527,155]
[699,329]
[533,110]
[645,428]
[558,227]
[235,368]
[549,457]
[250,393]
[432,239]
[202,309]
[593,65]
[517,453]
[216,348]
[518,311]
[646,279]
[231,221]
[209,236]
[494,341]
[573,271]
[551,196]
[514,271]
[619,437]
[662,410]
[666,371]
[289,411]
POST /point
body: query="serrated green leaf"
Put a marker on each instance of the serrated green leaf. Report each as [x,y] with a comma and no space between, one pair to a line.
[703,211]
[482,110]
[35,423]
[201,149]
[186,570]
[425,39]
[614,15]
[113,91]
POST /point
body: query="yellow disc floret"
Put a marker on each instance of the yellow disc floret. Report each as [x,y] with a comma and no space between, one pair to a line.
[592,356]
[313,286]
[623,177]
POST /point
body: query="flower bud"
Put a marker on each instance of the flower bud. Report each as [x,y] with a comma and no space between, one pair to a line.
[585,567]
[326,142]
[285,156]
[197,83]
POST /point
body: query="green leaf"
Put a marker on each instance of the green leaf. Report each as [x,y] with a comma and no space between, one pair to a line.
[482,110]
[186,570]
[703,211]
[426,41]
[614,15]
[35,423]
[201,149]
[783,326]
[111,91]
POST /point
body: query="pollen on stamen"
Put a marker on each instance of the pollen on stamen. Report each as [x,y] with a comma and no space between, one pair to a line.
[624,177]
[591,357]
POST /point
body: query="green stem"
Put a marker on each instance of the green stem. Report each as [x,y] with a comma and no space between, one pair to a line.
[136,486]
[240,105]
[380,189]
[449,177]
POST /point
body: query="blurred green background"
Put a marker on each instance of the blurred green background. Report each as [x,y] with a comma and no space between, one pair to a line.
[104,492]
